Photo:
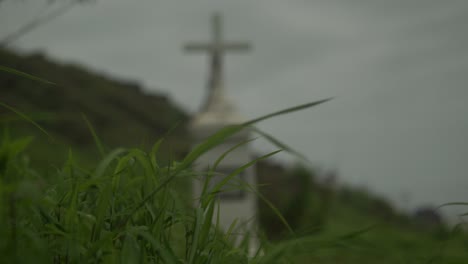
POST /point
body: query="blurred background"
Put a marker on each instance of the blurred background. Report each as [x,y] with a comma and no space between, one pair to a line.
[398,70]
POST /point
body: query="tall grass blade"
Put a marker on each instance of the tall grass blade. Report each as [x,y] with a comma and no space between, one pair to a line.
[228,131]
[231,228]
[218,161]
[356,233]
[208,144]
[238,145]
[106,161]
[196,233]
[25,117]
[226,179]
[166,254]
[160,187]
[97,141]
[153,152]
[280,144]
[24,75]
[131,250]
[286,111]
[206,228]
[451,204]
[101,210]
[271,206]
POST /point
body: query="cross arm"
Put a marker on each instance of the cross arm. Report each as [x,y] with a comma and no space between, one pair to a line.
[198,47]
[237,46]
[192,47]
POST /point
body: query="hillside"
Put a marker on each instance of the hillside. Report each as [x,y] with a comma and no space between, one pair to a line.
[121,113]
[124,116]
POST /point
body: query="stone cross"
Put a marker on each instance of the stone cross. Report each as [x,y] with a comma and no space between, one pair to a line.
[216,49]
[218,112]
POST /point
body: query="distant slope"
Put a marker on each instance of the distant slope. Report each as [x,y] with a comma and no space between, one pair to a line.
[120,112]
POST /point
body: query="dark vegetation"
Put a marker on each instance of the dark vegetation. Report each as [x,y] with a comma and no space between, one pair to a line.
[123,115]
[119,111]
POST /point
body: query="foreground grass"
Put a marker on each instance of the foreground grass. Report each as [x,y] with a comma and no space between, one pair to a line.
[125,210]
[129,209]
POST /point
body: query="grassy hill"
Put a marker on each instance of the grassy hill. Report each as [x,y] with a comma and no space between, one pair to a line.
[124,116]
[120,112]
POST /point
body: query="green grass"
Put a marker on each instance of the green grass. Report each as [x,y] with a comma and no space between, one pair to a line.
[130,209]
[127,209]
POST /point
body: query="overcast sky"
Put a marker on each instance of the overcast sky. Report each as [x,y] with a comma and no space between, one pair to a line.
[398,69]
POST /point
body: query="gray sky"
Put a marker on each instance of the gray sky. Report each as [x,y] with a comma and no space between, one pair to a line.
[399,70]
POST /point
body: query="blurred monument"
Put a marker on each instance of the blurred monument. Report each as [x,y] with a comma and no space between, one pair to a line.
[217,112]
